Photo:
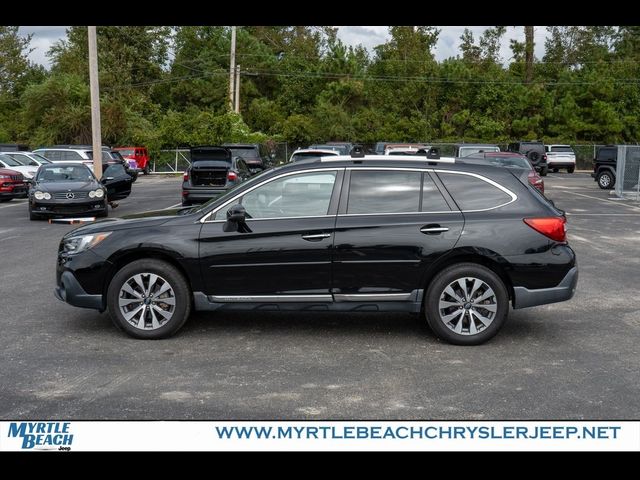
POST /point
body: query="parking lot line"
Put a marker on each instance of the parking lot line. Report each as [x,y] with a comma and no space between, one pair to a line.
[614,202]
[14,204]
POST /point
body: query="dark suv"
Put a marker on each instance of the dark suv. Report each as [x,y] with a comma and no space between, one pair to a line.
[455,243]
[255,155]
[535,152]
[604,166]
[212,172]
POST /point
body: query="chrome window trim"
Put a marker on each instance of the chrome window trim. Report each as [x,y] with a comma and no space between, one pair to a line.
[513,196]
[204,218]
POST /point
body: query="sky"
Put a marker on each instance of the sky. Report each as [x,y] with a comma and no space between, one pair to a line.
[369,36]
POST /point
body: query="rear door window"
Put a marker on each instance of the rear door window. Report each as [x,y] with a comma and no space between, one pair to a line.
[70,155]
[473,193]
[384,191]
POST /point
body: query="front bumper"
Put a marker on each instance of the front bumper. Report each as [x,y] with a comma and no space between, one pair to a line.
[14,191]
[71,292]
[524,297]
[53,208]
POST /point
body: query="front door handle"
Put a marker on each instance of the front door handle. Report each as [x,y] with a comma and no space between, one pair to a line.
[433,229]
[316,237]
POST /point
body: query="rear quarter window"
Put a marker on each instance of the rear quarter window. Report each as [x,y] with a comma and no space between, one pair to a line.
[473,193]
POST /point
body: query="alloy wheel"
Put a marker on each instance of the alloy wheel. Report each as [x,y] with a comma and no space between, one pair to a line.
[467,306]
[147,301]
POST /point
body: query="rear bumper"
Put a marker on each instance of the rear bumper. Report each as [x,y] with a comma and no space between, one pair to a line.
[196,195]
[561,163]
[524,297]
[71,292]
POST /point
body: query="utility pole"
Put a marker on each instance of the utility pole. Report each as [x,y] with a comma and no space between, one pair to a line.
[237,109]
[232,68]
[96,134]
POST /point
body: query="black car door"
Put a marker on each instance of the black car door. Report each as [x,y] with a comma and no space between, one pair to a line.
[117,181]
[391,225]
[286,254]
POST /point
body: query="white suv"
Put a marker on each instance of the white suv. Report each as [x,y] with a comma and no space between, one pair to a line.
[560,156]
[73,154]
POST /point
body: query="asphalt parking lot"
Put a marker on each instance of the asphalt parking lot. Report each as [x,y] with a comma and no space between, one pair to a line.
[574,360]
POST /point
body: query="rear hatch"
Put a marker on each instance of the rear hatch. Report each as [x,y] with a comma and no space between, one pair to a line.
[210,166]
[561,154]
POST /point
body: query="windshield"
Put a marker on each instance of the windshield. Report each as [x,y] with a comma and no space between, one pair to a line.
[246,152]
[309,156]
[71,173]
[562,148]
[105,156]
[465,151]
[341,149]
[40,158]
[10,162]
[514,162]
[22,159]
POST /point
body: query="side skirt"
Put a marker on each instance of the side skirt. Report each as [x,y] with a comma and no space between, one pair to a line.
[411,302]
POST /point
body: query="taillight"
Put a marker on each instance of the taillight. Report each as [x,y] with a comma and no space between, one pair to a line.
[232,176]
[185,177]
[553,227]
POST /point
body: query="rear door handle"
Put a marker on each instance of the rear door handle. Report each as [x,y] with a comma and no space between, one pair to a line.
[316,237]
[433,229]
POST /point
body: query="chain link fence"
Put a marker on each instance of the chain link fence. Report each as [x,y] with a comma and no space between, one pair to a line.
[628,172]
[177,160]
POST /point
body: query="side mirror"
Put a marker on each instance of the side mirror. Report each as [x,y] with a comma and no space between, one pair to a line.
[236,220]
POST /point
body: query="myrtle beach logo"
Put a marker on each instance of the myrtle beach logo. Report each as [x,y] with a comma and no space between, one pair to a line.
[42,435]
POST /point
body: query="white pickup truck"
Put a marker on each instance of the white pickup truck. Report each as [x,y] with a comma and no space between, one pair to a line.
[560,156]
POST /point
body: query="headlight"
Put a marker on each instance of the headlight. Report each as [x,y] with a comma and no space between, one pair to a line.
[39,195]
[92,194]
[99,193]
[46,195]
[83,242]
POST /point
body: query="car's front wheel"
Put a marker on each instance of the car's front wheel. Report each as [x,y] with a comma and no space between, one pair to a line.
[466,304]
[149,299]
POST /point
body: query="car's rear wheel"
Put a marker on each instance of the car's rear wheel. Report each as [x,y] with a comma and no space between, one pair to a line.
[605,180]
[544,171]
[2,200]
[466,304]
[149,299]
[571,169]
[146,169]
[555,170]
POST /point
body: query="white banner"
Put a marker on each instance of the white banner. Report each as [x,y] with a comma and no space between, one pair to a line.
[319,436]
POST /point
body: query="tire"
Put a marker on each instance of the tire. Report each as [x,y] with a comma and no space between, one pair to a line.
[103,214]
[555,170]
[606,180]
[544,171]
[178,291]
[2,200]
[491,284]
[186,204]
[571,169]
[146,169]
[533,156]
